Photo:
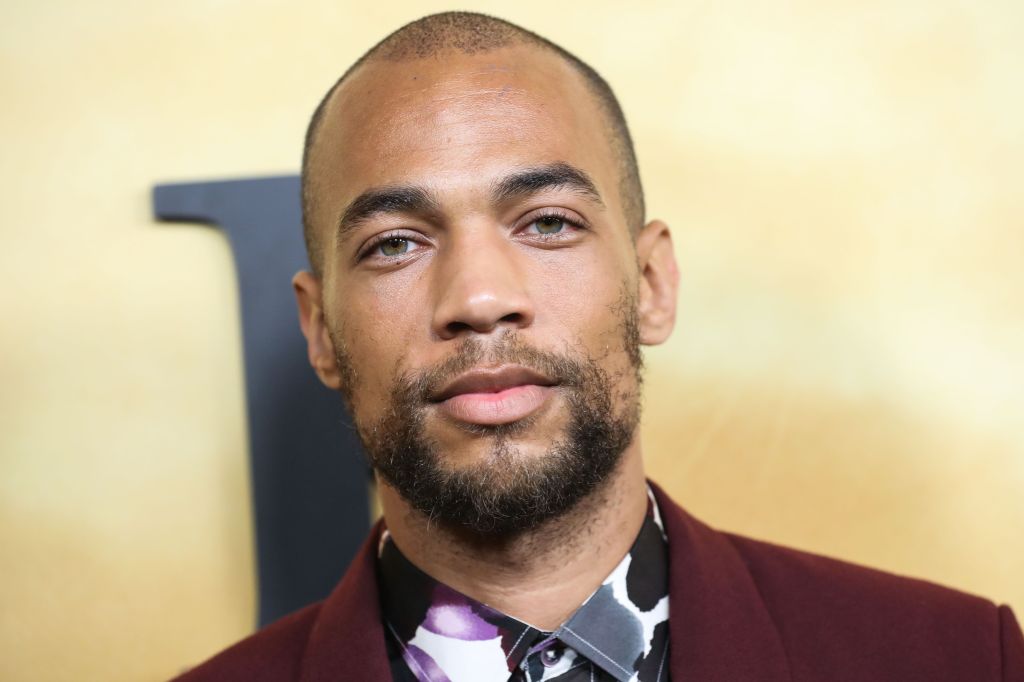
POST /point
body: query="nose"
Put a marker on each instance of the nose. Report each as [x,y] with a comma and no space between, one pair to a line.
[481,285]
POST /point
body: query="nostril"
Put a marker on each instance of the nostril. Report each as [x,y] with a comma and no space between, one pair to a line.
[455,328]
[459,327]
[512,318]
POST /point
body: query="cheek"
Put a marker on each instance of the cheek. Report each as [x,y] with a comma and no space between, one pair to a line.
[585,297]
[376,326]
[377,313]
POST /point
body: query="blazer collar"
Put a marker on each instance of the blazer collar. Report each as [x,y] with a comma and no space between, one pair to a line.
[720,628]
[346,643]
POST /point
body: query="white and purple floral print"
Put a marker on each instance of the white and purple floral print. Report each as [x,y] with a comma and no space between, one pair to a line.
[436,634]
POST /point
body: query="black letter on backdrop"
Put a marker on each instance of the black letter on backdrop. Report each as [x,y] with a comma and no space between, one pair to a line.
[309,477]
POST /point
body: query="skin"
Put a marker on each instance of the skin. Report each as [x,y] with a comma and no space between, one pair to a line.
[473,267]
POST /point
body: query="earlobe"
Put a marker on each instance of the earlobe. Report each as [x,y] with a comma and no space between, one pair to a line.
[659,283]
[319,347]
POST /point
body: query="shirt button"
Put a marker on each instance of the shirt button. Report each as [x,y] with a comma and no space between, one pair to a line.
[550,657]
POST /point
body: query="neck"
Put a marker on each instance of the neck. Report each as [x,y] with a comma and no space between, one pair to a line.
[540,577]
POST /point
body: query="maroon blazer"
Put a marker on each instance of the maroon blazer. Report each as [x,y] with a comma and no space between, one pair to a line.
[741,610]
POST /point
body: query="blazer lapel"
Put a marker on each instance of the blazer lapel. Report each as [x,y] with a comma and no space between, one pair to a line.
[347,640]
[719,626]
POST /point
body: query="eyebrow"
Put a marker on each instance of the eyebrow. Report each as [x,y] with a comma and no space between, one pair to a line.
[414,199]
[390,199]
[550,176]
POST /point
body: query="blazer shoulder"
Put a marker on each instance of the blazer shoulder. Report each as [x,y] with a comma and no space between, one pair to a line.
[272,654]
[827,609]
[800,574]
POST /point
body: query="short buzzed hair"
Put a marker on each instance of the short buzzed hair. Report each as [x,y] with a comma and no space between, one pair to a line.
[472,33]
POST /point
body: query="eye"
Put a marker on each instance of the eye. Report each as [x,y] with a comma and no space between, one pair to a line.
[393,246]
[549,224]
[390,247]
[554,225]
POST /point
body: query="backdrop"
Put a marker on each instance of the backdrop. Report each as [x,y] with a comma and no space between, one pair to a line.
[844,183]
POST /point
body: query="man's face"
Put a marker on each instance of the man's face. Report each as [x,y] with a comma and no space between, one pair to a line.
[480,289]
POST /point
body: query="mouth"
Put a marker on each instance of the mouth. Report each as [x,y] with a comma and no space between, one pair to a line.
[494,396]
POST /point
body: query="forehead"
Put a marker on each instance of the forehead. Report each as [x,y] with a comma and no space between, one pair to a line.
[455,122]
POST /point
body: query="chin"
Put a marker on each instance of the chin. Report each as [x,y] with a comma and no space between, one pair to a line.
[465,443]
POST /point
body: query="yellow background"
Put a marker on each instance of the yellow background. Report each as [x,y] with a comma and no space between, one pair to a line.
[844,179]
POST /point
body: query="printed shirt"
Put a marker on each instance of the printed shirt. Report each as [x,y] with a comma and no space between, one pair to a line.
[436,634]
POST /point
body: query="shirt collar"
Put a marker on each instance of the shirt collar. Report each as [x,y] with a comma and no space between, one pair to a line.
[441,631]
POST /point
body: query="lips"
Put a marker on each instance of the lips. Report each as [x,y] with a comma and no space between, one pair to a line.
[493,396]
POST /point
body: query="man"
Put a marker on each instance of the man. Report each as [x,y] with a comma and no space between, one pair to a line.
[483,276]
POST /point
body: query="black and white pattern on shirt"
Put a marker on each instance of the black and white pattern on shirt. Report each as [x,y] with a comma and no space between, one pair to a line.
[436,634]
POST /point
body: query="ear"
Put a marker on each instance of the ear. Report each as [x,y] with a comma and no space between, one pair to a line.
[320,348]
[659,283]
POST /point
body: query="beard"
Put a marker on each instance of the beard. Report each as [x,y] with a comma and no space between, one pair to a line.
[506,492]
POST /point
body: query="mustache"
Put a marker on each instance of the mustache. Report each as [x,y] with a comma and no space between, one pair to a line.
[417,387]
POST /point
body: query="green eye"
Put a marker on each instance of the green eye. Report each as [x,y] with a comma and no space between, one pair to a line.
[394,246]
[549,224]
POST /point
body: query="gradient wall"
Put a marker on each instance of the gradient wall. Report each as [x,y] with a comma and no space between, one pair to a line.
[844,181]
